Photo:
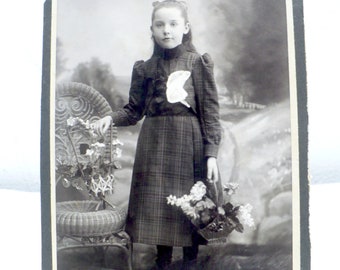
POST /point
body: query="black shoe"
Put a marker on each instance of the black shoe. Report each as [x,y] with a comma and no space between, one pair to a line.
[190,265]
[160,267]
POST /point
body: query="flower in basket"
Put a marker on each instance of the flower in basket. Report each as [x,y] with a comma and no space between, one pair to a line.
[213,220]
[92,168]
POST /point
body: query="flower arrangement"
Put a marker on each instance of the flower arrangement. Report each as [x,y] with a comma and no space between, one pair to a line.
[91,168]
[211,219]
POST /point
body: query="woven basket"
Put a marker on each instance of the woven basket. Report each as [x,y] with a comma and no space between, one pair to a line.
[211,235]
[81,219]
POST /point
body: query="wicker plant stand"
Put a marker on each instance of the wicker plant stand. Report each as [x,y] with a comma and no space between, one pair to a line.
[85,223]
[81,225]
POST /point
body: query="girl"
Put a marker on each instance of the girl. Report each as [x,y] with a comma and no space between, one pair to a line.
[179,138]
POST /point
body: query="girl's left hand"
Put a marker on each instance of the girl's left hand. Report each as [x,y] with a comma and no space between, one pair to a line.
[212,174]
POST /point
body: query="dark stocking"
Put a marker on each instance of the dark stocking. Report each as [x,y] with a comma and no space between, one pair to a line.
[164,256]
[190,253]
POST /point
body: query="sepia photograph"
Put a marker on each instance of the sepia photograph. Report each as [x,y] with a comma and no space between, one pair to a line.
[174,135]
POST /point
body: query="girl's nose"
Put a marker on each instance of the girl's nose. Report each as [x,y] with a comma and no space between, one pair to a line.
[166,30]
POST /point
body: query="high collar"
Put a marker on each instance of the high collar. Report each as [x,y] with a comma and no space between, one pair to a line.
[168,54]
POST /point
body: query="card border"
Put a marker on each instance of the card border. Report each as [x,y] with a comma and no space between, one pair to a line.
[47,135]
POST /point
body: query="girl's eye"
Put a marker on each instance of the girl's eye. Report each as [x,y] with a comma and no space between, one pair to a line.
[173,24]
[158,25]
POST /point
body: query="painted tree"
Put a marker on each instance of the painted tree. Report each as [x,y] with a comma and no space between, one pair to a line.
[99,76]
[248,41]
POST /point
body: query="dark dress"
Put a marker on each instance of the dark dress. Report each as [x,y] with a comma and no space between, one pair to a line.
[173,144]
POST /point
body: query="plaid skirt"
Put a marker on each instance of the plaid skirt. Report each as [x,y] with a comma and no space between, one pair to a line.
[169,160]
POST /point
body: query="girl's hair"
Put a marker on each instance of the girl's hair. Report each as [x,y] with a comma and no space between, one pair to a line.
[182,6]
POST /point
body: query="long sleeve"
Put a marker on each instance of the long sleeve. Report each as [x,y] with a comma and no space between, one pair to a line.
[131,113]
[207,103]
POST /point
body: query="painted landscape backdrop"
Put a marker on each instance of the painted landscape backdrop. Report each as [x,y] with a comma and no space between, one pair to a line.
[248,43]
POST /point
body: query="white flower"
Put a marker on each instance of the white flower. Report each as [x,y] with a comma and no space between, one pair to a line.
[230,188]
[205,204]
[83,123]
[198,191]
[244,215]
[117,142]
[72,121]
[89,152]
[118,153]
[66,183]
[92,133]
[98,145]
[221,211]
[171,199]
[189,210]
[87,124]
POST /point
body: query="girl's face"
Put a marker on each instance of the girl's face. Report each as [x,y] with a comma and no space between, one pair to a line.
[168,27]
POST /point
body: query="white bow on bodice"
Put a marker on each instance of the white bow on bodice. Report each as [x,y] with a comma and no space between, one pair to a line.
[175,87]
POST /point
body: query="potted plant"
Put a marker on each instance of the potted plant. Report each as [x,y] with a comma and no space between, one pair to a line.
[90,168]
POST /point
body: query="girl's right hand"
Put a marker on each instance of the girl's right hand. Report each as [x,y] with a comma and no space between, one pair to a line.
[102,125]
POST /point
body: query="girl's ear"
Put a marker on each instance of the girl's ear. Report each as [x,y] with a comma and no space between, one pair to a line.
[152,37]
[186,28]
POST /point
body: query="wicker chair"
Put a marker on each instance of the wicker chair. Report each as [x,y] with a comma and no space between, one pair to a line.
[85,222]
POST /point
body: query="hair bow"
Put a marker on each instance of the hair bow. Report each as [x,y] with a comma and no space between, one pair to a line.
[183,3]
